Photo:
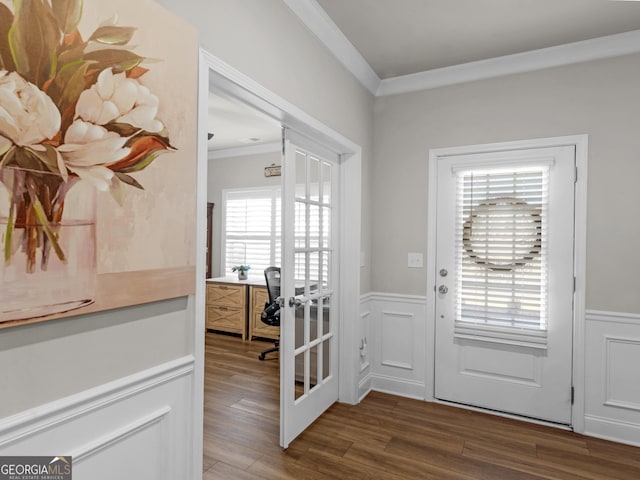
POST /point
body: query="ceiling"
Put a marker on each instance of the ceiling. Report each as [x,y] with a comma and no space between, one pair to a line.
[394,38]
[400,37]
[236,125]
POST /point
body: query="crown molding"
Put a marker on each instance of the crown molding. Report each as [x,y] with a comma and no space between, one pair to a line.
[245,150]
[321,25]
[570,53]
[316,19]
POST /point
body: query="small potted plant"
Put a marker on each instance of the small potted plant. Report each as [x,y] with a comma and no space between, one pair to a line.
[243,271]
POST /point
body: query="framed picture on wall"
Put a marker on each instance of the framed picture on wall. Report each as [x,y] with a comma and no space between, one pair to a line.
[97,157]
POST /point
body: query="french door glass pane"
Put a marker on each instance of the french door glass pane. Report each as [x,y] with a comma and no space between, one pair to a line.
[301,174]
[326,358]
[314,179]
[326,183]
[299,377]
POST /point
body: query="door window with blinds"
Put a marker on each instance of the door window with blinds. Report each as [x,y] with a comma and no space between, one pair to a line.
[501,231]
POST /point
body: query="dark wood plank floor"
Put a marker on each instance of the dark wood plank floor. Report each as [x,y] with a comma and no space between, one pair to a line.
[384,437]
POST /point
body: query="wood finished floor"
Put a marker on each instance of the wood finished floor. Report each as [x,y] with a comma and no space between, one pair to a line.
[384,437]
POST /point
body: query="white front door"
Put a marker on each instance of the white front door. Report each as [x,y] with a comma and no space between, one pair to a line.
[309,324]
[504,281]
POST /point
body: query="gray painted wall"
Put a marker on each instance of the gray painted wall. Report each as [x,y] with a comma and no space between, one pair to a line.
[598,98]
[45,362]
[266,41]
[235,172]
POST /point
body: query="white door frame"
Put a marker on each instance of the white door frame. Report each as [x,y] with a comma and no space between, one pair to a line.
[580,142]
[221,77]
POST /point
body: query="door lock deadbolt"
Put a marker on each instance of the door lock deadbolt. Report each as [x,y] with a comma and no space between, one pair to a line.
[444,272]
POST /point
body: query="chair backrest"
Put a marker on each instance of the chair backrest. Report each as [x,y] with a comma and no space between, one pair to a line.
[272,277]
[271,313]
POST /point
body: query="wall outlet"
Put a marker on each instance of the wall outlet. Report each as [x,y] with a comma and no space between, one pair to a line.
[415,260]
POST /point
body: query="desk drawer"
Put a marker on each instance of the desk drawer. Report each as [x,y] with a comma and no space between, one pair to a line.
[227,295]
[257,328]
[226,319]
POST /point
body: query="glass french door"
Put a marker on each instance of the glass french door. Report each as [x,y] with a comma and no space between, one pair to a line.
[309,326]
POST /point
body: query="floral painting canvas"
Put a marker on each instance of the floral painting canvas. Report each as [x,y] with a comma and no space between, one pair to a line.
[97,156]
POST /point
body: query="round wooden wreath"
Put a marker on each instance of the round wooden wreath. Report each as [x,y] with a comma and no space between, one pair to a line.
[490,211]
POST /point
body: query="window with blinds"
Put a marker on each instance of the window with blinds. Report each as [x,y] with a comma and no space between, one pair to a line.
[252,234]
[501,255]
[251,229]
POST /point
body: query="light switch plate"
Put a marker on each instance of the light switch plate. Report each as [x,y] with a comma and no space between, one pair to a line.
[415,260]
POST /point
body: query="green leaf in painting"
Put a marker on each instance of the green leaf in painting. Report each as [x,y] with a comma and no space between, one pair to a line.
[8,157]
[68,14]
[33,39]
[117,190]
[27,159]
[143,163]
[66,88]
[113,35]
[48,157]
[122,129]
[129,180]
[6,19]
[120,60]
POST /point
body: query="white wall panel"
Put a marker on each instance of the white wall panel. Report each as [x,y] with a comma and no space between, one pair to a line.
[621,374]
[137,427]
[612,376]
[396,340]
[397,344]
[364,377]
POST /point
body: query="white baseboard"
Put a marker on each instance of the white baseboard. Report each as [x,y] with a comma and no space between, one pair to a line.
[614,430]
[397,386]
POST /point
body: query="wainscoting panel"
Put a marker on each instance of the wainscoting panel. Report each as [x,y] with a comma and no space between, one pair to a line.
[364,376]
[137,427]
[612,386]
[397,333]
[398,350]
[397,346]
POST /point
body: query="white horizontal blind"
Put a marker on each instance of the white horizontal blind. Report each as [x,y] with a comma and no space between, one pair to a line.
[251,228]
[312,225]
[501,254]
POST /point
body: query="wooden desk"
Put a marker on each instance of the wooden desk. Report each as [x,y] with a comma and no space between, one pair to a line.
[235,306]
[258,295]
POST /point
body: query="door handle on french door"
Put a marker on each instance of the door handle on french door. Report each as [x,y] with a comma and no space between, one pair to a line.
[293,301]
[443,289]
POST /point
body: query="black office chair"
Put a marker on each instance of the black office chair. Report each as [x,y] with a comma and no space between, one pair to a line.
[271,313]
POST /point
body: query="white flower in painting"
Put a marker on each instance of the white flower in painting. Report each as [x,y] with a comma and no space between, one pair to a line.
[27,115]
[89,148]
[114,97]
